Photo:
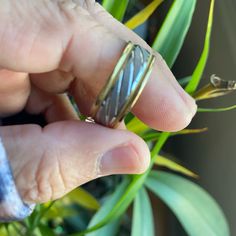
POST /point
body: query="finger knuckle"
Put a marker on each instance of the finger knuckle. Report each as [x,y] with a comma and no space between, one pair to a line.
[50,182]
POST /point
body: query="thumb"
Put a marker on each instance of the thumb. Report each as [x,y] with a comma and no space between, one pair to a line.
[47,163]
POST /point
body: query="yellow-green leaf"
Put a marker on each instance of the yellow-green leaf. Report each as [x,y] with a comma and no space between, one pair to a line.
[163,161]
[3,231]
[59,210]
[137,126]
[217,109]
[190,131]
[10,229]
[83,198]
[143,15]
[155,135]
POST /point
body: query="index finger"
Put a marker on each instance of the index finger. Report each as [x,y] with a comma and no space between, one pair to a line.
[83,52]
[163,104]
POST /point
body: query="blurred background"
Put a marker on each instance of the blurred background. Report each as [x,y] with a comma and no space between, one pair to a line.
[212,155]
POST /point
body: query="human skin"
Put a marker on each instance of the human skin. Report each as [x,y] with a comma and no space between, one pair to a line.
[49,47]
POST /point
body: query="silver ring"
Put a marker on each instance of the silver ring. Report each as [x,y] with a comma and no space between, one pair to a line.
[124,86]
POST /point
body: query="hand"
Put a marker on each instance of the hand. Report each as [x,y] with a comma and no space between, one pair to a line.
[49,47]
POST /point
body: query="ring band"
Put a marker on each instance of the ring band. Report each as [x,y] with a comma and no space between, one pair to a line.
[124,86]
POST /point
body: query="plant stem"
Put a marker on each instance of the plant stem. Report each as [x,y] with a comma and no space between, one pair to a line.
[38,218]
[157,148]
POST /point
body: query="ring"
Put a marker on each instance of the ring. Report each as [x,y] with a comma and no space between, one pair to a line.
[124,86]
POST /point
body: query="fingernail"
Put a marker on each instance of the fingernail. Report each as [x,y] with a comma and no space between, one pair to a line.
[120,160]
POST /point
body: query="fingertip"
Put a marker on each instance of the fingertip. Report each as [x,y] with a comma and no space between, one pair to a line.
[163,104]
[143,154]
[132,157]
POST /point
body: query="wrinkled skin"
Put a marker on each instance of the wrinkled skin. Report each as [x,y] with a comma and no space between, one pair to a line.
[49,47]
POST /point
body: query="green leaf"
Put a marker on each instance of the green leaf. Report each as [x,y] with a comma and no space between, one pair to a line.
[45,230]
[216,109]
[172,34]
[121,205]
[59,210]
[143,15]
[142,223]
[116,8]
[109,229]
[83,198]
[197,74]
[155,135]
[197,211]
[184,81]
[3,230]
[17,228]
[137,126]
[12,229]
[163,161]
[108,4]
[35,218]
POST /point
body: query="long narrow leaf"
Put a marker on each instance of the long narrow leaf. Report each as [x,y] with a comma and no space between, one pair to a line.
[216,109]
[155,135]
[137,126]
[4,230]
[143,15]
[108,4]
[197,74]
[184,81]
[171,36]
[103,211]
[142,216]
[109,229]
[116,8]
[163,161]
[121,205]
[83,198]
[197,211]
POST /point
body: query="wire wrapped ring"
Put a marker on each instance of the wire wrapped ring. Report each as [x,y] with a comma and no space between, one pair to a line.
[124,86]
